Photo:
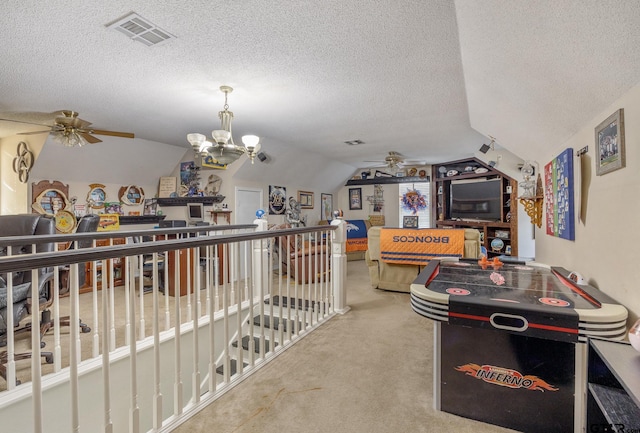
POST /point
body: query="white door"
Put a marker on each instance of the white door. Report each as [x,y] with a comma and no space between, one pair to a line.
[248,201]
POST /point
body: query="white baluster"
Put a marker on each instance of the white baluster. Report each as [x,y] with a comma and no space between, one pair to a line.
[128,301]
[57,348]
[94,294]
[108,423]
[178,398]
[108,281]
[130,340]
[74,347]
[189,272]
[143,323]
[195,387]
[157,400]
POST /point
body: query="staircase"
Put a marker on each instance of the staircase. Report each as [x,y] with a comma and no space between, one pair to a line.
[279,320]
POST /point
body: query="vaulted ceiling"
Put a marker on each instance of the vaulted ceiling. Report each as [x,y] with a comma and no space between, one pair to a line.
[429,79]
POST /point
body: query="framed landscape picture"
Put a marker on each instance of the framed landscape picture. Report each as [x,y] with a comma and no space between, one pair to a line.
[610,144]
[305,198]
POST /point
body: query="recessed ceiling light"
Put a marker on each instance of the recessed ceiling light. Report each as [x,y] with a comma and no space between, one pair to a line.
[354,142]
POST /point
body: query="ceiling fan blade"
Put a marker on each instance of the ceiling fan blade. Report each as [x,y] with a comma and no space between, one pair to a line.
[90,138]
[22,121]
[33,132]
[113,133]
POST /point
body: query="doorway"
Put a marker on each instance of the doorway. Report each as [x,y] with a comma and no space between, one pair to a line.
[248,201]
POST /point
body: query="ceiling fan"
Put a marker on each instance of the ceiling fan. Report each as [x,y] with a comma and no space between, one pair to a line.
[395,161]
[70,130]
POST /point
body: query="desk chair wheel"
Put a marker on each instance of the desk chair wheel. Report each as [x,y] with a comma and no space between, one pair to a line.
[85,328]
[48,359]
[42,344]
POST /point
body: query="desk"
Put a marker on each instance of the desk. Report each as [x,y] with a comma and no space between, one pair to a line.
[119,269]
[508,339]
[215,213]
[182,256]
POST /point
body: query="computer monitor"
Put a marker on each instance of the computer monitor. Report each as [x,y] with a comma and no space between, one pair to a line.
[195,213]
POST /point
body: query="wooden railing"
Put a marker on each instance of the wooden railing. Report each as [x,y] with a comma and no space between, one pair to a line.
[164,321]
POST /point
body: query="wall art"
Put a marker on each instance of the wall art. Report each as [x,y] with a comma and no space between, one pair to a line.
[610,144]
[277,200]
[558,196]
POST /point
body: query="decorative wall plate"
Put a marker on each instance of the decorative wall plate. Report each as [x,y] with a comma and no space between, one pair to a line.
[97,196]
[23,162]
[497,244]
[50,201]
[65,221]
[131,195]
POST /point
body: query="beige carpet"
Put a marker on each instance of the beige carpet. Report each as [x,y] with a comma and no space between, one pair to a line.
[369,370]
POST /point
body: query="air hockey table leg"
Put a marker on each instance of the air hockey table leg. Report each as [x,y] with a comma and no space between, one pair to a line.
[580,402]
[437,366]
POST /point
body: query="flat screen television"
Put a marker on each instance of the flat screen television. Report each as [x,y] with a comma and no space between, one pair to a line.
[476,200]
[195,213]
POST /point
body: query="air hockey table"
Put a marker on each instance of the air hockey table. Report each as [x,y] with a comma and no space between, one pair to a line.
[510,341]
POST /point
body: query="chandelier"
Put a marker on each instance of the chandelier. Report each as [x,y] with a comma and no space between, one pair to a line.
[223,149]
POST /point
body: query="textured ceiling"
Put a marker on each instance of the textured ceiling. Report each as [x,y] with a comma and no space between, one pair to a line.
[427,79]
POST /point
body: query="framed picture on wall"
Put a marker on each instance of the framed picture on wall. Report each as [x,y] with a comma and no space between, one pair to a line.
[305,198]
[355,198]
[277,200]
[610,144]
[326,208]
[409,222]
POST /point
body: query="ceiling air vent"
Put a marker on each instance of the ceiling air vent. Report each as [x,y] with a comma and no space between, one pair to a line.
[141,30]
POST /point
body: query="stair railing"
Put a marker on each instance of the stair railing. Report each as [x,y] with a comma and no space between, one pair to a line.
[161,366]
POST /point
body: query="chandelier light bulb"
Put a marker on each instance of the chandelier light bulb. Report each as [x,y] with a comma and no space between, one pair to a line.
[196,140]
[251,141]
[221,136]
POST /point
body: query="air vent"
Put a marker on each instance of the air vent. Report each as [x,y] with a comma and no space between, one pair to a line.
[142,30]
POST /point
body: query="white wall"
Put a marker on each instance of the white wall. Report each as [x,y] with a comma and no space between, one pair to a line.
[14,195]
[270,176]
[605,251]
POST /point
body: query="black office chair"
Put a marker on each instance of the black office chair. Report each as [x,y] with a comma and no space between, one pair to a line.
[25,225]
[86,224]
[147,267]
